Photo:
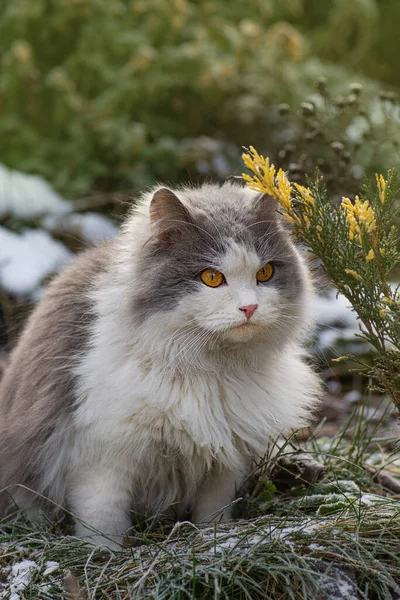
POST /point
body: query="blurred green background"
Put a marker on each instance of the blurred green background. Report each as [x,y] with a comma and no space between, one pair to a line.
[102,98]
[111,95]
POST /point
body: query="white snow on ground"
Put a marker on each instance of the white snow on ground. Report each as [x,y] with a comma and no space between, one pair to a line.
[51,566]
[90,227]
[28,196]
[334,310]
[21,576]
[335,321]
[27,258]
[337,586]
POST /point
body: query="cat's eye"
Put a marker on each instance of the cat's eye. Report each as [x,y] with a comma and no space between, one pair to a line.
[265,273]
[212,278]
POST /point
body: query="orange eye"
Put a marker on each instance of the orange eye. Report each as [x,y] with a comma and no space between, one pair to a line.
[212,278]
[265,272]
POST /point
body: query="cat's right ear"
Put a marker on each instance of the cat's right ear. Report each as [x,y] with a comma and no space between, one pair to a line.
[268,209]
[167,215]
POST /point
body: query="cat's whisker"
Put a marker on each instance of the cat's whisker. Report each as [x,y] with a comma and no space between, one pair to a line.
[269,221]
[186,223]
[177,356]
[181,331]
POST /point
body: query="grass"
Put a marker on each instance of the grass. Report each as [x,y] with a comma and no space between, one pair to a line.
[331,535]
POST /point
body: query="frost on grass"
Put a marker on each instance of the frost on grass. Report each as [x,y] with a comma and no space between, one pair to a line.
[337,538]
[336,585]
[339,556]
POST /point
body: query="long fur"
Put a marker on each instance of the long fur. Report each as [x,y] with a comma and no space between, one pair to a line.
[133,388]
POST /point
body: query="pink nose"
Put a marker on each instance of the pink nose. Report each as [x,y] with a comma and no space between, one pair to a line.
[249,310]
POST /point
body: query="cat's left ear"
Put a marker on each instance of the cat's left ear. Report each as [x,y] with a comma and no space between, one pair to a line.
[167,215]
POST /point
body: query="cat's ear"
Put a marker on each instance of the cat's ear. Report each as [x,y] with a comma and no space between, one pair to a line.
[266,207]
[168,216]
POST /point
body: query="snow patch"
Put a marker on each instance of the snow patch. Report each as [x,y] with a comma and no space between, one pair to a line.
[27,258]
[332,309]
[336,322]
[337,586]
[51,566]
[28,196]
[90,227]
[227,545]
[21,576]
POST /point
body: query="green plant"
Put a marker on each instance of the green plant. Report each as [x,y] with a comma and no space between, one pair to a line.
[357,243]
[114,95]
[346,135]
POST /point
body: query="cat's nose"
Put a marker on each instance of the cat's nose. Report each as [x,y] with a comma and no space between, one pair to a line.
[249,310]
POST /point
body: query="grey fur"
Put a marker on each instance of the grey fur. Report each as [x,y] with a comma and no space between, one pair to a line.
[202,234]
[37,390]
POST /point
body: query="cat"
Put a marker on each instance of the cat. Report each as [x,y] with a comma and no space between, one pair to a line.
[159,365]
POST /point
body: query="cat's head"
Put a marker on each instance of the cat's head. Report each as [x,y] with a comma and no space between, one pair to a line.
[220,261]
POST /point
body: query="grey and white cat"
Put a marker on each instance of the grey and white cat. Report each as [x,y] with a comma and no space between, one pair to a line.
[159,365]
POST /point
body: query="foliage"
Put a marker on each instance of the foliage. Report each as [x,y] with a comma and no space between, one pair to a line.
[358,246]
[346,135]
[113,95]
[361,33]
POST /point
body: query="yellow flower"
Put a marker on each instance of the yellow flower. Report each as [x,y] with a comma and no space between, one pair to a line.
[268,181]
[360,217]
[305,194]
[370,255]
[382,185]
[353,273]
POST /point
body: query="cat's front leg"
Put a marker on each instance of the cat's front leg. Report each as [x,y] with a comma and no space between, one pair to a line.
[100,500]
[218,491]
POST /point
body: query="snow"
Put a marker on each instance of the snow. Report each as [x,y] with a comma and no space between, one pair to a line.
[352,396]
[316,547]
[21,576]
[331,309]
[27,258]
[51,566]
[263,534]
[336,322]
[336,586]
[90,227]
[226,545]
[28,196]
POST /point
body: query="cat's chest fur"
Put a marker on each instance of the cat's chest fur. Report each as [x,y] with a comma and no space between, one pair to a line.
[131,404]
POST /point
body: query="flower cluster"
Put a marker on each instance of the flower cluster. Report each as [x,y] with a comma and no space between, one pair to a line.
[382,185]
[267,180]
[360,217]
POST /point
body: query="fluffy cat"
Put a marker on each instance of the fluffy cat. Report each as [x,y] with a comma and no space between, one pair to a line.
[159,365]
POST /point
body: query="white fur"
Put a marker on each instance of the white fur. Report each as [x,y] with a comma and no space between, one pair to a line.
[170,412]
